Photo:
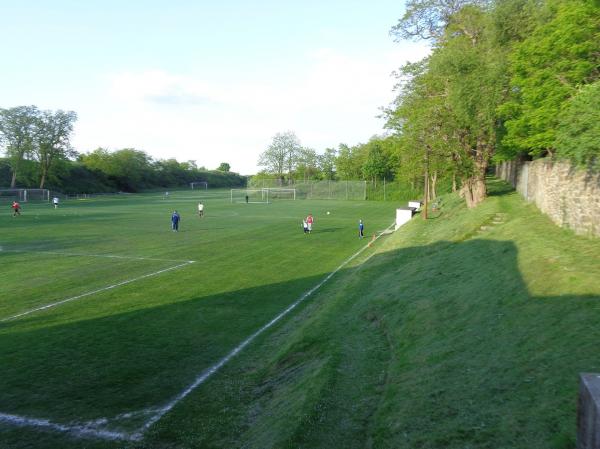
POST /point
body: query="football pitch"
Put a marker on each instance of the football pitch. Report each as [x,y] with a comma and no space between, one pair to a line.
[108,319]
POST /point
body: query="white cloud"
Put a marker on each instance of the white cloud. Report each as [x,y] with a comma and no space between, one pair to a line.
[334,99]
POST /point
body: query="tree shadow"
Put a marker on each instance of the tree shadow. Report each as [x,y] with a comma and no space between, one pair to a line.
[469,343]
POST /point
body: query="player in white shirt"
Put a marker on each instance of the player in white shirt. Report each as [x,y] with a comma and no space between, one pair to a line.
[200,209]
[55,202]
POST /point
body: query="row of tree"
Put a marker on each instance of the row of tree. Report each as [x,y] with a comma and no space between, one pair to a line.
[28,133]
[38,154]
[287,160]
[505,79]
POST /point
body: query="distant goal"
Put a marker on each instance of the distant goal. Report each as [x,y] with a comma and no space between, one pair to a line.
[265,195]
[203,185]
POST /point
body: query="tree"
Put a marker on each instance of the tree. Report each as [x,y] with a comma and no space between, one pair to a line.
[377,162]
[281,155]
[132,169]
[429,19]
[349,162]
[578,133]
[52,133]
[306,163]
[224,167]
[17,132]
[326,163]
[450,109]
[547,69]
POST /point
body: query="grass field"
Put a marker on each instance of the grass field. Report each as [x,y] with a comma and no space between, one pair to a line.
[468,330]
[137,312]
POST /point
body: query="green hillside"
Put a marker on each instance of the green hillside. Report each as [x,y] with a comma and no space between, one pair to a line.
[468,330]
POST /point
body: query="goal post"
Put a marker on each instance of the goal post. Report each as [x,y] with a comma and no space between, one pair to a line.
[249,195]
[199,185]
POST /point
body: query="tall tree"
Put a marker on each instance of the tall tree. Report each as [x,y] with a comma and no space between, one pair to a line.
[458,89]
[547,69]
[306,163]
[52,139]
[578,133]
[281,155]
[326,162]
[17,133]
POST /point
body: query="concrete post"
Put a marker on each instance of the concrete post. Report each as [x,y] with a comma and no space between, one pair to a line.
[588,412]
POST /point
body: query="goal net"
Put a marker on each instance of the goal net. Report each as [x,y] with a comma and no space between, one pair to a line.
[249,195]
[24,195]
[199,185]
[265,195]
[281,194]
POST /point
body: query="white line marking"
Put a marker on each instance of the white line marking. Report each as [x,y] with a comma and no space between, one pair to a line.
[108,256]
[87,429]
[81,430]
[217,366]
[93,292]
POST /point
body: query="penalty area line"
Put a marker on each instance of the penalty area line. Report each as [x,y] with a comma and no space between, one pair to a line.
[217,366]
[93,292]
[107,256]
[79,430]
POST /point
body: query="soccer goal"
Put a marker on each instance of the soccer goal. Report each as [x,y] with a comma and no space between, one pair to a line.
[24,195]
[199,185]
[249,195]
[281,194]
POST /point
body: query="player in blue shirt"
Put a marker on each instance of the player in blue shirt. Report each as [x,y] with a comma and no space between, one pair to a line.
[175,221]
[361,229]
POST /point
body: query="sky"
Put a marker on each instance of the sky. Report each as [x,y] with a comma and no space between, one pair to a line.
[209,81]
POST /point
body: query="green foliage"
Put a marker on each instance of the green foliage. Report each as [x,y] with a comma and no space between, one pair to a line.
[17,134]
[547,68]
[224,166]
[281,156]
[578,133]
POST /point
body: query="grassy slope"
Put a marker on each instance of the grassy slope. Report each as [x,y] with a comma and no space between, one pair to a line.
[450,336]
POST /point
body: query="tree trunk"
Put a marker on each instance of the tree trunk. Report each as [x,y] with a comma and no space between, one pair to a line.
[13,180]
[474,189]
[44,168]
[433,194]
[426,192]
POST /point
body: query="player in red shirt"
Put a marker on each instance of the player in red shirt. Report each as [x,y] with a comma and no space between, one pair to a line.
[17,208]
[309,222]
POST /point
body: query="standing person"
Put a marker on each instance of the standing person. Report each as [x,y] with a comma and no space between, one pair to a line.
[175,218]
[305,226]
[200,209]
[246,198]
[166,195]
[361,229]
[309,222]
[55,202]
[16,208]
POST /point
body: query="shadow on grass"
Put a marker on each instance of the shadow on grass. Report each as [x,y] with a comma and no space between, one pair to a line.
[473,358]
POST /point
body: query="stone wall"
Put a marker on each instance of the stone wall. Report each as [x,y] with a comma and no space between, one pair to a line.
[570,196]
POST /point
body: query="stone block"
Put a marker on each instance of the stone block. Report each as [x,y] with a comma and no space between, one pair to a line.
[588,412]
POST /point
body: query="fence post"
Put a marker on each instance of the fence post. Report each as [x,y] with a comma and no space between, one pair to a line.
[588,412]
